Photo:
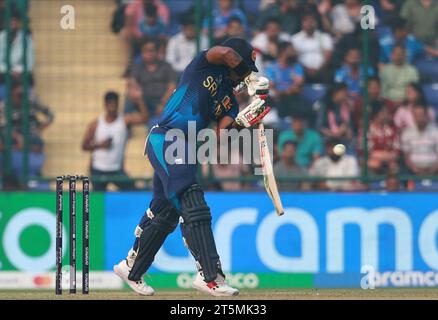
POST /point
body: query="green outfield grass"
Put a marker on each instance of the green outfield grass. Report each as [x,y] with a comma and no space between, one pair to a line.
[293,294]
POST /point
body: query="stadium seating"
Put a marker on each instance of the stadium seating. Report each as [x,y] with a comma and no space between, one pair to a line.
[314,92]
[74,70]
[428,69]
[251,7]
[176,8]
[431,93]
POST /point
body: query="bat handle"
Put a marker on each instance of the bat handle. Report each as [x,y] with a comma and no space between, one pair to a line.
[261,126]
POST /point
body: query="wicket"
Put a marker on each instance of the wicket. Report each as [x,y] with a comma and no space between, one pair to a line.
[72,234]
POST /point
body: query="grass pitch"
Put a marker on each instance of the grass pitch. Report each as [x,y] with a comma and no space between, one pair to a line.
[292,294]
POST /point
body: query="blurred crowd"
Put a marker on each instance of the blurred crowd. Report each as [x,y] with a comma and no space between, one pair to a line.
[313,53]
[38,115]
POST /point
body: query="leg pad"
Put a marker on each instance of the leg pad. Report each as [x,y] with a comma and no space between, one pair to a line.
[153,233]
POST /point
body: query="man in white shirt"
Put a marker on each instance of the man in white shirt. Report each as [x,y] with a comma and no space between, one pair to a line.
[314,49]
[17,49]
[336,166]
[420,144]
[266,43]
[181,48]
[106,139]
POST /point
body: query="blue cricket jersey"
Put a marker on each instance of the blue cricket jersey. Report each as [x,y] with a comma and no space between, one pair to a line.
[204,94]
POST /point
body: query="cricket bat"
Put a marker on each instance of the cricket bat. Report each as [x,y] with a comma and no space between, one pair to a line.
[268,172]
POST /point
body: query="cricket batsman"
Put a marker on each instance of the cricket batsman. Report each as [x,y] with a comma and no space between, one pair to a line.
[205,93]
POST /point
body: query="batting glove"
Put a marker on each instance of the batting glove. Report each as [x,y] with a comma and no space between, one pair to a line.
[257,85]
[253,113]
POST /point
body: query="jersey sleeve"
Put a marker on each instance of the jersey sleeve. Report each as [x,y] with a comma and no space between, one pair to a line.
[234,109]
[200,62]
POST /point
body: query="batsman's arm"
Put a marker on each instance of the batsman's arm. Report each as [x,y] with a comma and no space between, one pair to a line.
[228,57]
[223,55]
[228,122]
[248,117]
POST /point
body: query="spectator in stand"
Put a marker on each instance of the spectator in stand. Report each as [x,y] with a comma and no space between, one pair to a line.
[335,120]
[156,78]
[308,141]
[404,117]
[181,48]
[264,4]
[221,15]
[288,168]
[36,157]
[11,180]
[389,10]
[352,73]
[106,139]
[321,10]
[383,142]
[420,144]
[392,183]
[422,17]
[286,11]
[266,43]
[345,16]
[397,75]
[287,79]
[314,50]
[375,102]
[234,29]
[151,25]
[135,14]
[336,166]
[400,35]
[356,40]
[40,116]
[17,49]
